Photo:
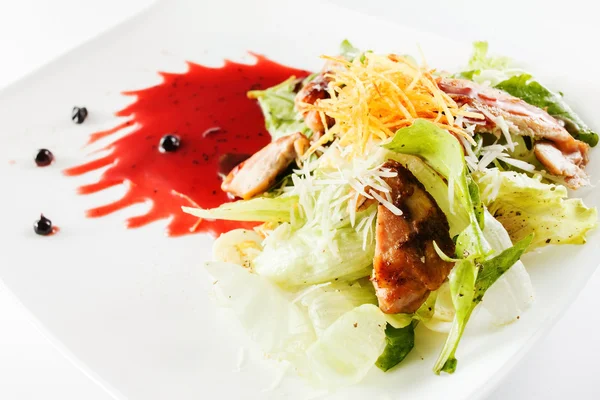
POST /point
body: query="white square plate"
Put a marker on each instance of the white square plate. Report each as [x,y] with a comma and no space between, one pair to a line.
[131,306]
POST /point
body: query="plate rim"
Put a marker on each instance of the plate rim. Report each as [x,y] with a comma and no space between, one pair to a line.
[486,388]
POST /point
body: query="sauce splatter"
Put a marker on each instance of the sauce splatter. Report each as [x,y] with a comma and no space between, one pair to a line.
[207,108]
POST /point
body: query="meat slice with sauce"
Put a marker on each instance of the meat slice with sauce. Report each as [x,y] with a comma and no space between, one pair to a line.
[555,148]
[406,267]
[259,172]
[308,95]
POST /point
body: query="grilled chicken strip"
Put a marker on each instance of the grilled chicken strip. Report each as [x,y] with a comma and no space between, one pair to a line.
[406,266]
[259,172]
[310,94]
[560,163]
[557,150]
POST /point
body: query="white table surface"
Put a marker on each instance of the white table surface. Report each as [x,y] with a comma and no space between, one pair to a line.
[32,32]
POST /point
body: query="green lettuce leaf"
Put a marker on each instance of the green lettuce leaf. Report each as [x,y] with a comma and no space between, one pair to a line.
[491,270]
[436,146]
[526,205]
[531,91]
[277,105]
[478,206]
[398,343]
[427,309]
[348,51]
[465,299]
[480,59]
[263,209]
[483,68]
[400,333]
[462,290]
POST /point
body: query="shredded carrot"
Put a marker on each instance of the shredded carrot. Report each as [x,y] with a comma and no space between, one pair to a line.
[373,96]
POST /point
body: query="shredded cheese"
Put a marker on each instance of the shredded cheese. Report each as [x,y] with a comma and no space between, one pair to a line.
[332,188]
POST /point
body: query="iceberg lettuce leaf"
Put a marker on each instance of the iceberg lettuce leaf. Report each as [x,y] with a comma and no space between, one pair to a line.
[278,107]
[327,302]
[280,327]
[310,256]
[347,350]
[525,205]
[263,209]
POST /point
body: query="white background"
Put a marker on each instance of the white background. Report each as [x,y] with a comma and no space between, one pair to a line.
[32,32]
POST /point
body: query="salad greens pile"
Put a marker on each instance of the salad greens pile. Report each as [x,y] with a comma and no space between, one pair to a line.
[299,283]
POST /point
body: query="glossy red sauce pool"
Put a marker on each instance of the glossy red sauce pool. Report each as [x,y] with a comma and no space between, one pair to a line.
[207,108]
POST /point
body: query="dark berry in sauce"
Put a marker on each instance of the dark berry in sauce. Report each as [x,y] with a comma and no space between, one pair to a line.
[169,143]
[79,114]
[44,157]
[43,226]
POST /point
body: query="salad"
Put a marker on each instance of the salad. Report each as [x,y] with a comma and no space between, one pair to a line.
[394,195]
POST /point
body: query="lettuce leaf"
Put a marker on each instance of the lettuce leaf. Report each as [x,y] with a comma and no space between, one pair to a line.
[443,311]
[512,294]
[347,350]
[326,303]
[505,300]
[264,209]
[400,333]
[531,91]
[429,142]
[310,255]
[280,327]
[487,69]
[462,290]
[343,352]
[491,270]
[398,343]
[524,205]
[465,299]
[348,51]
[480,59]
[278,107]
